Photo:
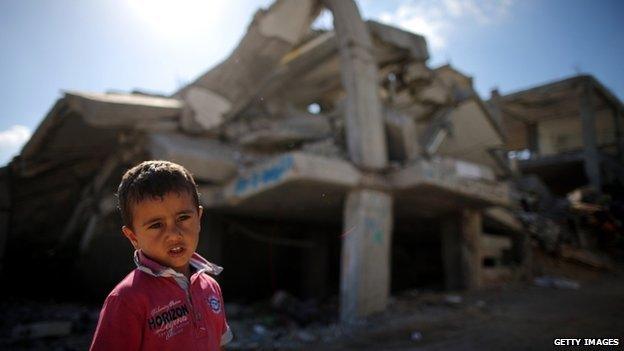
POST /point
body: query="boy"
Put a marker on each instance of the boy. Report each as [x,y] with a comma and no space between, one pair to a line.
[168,302]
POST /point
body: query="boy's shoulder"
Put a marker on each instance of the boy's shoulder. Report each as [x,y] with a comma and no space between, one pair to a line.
[208,282]
[208,279]
[133,285]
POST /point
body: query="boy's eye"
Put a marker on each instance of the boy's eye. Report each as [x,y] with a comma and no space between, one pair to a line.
[155,225]
[184,217]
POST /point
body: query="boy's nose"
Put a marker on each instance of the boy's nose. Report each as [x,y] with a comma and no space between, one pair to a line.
[174,230]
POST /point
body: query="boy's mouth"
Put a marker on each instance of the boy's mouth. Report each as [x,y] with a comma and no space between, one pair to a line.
[176,250]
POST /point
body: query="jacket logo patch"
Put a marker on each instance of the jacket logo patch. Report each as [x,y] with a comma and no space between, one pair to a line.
[215,304]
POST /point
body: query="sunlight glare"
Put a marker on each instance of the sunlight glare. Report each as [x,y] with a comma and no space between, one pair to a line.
[178,18]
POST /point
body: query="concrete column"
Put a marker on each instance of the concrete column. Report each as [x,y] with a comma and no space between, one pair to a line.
[461,250]
[590,146]
[365,266]
[365,129]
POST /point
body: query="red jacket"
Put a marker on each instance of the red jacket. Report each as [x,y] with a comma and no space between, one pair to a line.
[155,308]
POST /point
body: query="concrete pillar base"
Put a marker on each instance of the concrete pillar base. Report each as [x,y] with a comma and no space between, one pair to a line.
[365,267]
[461,250]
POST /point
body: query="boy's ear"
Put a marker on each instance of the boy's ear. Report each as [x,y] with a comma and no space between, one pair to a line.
[200,211]
[128,233]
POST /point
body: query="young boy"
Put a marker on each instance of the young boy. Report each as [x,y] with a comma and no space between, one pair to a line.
[168,302]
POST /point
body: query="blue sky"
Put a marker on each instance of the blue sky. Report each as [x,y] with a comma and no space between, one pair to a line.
[157,45]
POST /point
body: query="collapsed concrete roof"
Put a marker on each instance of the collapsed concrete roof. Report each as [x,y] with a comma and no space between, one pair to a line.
[223,158]
[556,99]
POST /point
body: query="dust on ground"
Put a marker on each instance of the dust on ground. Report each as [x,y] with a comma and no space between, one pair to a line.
[518,317]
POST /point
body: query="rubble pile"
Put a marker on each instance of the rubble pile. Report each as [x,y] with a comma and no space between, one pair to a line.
[33,326]
[581,228]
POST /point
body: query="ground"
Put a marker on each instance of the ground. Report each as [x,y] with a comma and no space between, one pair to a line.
[520,316]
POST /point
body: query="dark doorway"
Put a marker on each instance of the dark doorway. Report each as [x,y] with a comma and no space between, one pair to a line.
[417,255]
[263,256]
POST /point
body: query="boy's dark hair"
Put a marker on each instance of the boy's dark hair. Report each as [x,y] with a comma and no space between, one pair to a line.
[152,179]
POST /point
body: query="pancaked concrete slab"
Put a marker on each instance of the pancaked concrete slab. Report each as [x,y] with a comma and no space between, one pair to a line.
[287,20]
[207,159]
[427,187]
[204,110]
[240,78]
[122,110]
[414,43]
[319,183]
[433,187]
[503,217]
[295,129]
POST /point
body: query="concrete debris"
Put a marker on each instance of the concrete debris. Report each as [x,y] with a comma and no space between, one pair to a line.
[204,110]
[288,132]
[303,312]
[327,147]
[41,330]
[234,310]
[453,299]
[415,43]
[402,137]
[122,110]
[306,336]
[207,159]
[585,257]
[33,325]
[435,94]
[416,336]
[556,282]
[261,330]
[416,74]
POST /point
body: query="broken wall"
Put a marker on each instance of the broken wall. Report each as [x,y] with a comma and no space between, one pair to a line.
[565,134]
[472,135]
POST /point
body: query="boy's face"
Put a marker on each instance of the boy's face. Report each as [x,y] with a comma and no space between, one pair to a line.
[167,229]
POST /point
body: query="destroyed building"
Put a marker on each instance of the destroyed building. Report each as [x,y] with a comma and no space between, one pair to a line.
[566,142]
[569,133]
[329,163]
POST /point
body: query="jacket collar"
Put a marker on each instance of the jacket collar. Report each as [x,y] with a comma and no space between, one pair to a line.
[151,267]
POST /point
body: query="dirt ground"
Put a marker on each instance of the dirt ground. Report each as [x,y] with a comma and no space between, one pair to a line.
[521,316]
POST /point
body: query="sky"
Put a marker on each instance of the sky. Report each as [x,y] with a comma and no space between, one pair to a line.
[51,46]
